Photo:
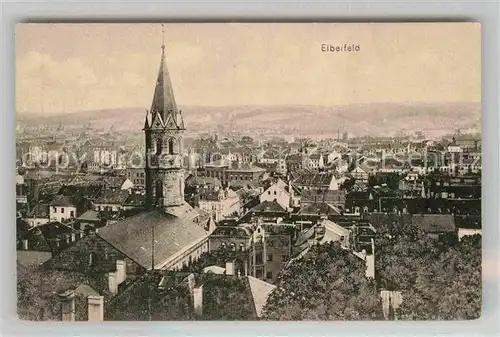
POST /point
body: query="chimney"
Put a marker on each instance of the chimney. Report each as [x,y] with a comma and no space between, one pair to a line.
[121,273]
[198,300]
[229,268]
[25,244]
[73,237]
[113,285]
[67,306]
[95,308]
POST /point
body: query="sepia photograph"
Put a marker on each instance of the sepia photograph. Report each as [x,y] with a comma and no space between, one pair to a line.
[248,171]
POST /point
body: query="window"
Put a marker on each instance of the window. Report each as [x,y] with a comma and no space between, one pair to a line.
[242,248]
[258,258]
[72,214]
[269,275]
[171,145]
[92,259]
[269,257]
[62,209]
[269,192]
[159,146]
[274,192]
[233,246]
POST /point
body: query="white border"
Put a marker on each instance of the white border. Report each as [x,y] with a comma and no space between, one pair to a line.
[118,11]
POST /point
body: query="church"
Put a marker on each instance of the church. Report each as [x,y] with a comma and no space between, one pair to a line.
[169,233]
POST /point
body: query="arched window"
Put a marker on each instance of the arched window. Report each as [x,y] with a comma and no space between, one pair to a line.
[159,146]
[233,247]
[159,189]
[171,146]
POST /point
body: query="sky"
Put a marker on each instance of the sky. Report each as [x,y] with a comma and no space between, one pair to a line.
[63,68]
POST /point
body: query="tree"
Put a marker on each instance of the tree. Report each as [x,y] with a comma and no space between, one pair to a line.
[328,283]
[448,288]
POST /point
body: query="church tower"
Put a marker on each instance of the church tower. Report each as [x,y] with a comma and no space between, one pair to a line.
[164,130]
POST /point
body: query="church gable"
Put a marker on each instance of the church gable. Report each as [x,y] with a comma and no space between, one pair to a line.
[157,121]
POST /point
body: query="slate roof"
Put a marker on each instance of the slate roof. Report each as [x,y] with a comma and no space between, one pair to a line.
[329,196]
[50,237]
[89,215]
[435,223]
[231,231]
[136,200]
[133,235]
[30,258]
[63,200]
[116,197]
[319,208]
[268,206]
[315,179]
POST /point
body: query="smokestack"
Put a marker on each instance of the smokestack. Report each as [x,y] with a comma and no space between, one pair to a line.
[113,285]
[229,268]
[198,300]
[25,244]
[121,273]
[67,306]
[95,308]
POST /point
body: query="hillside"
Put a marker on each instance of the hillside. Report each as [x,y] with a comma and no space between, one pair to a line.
[359,119]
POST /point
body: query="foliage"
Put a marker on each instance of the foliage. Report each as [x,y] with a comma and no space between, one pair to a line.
[227,298]
[440,278]
[38,294]
[328,283]
[144,301]
[448,288]
[347,184]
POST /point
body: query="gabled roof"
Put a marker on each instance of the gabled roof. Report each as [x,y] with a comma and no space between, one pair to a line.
[329,196]
[133,236]
[50,237]
[260,292]
[268,206]
[318,208]
[63,200]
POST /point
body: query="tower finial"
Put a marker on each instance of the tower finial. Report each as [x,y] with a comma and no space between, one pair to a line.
[162,38]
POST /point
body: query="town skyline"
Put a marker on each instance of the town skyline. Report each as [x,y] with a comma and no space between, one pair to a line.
[103,66]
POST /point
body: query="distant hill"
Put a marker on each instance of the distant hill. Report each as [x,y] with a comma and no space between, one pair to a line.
[359,119]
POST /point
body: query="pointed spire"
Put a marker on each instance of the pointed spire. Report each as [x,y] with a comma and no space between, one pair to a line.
[163,99]
[146,120]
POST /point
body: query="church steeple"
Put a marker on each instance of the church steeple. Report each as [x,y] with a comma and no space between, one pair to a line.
[164,135]
[164,103]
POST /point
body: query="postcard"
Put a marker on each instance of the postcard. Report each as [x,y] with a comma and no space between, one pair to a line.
[248,171]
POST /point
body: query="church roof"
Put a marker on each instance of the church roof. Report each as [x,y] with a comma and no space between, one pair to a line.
[133,236]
